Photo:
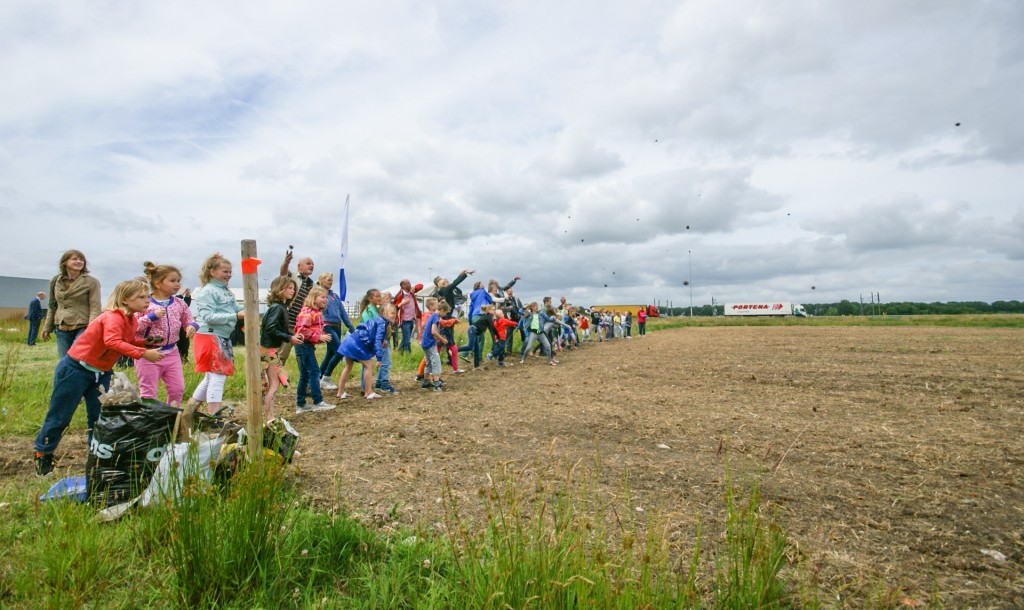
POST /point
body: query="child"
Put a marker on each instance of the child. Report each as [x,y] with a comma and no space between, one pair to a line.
[447,324]
[502,326]
[369,340]
[430,341]
[273,334]
[217,311]
[535,321]
[383,382]
[309,326]
[163,322]
[583,321]
[334,316]
[87,366]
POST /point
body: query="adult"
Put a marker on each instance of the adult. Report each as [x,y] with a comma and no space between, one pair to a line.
[450,291]
[303,283]
[513,311]
[35,316]
[641,320]
[478,299]
[334,316]
[74,301]
[408,314]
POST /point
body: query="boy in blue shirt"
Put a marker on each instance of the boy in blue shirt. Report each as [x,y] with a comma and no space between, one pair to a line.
[432,339]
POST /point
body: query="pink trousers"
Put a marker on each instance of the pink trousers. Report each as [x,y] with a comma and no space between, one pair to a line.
[169,370]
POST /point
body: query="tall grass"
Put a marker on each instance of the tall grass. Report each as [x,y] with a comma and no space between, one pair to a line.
[747,569]
[545,542]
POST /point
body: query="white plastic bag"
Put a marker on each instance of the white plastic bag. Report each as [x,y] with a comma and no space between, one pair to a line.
[195,460]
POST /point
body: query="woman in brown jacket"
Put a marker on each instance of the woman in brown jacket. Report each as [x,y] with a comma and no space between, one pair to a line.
[74,301]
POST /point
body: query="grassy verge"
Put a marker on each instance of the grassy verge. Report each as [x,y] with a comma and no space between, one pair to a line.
[546,543]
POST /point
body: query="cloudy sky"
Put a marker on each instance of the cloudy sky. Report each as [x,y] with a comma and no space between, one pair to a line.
[598,149]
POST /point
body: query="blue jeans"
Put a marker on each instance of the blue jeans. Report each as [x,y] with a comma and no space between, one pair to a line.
[474,343]
[331,358]
[71,383]
[65,338]
[309,375]
[498,349]
[407,326]
[384,372]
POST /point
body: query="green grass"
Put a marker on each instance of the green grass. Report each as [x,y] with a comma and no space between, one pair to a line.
[546,542]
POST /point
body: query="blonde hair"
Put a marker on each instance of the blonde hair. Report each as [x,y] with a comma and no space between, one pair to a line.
[124,291]
[158,273]
[325,275]
[277,288]
[442,306]
[212,262]
[431,302]
[390,330]
[314,292]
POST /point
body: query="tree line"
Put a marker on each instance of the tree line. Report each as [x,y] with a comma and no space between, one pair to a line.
[855,308]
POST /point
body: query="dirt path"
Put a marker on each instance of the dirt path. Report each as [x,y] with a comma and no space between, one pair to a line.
[893,454]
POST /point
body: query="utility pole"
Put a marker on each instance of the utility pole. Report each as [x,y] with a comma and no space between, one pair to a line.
[689,258]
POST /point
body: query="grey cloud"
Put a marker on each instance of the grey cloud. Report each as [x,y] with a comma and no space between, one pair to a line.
[905,222]
[574,157]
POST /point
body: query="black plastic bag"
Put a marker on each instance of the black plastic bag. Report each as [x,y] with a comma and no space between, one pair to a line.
[127,444]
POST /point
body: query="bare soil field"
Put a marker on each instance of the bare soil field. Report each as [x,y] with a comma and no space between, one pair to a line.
[892,455]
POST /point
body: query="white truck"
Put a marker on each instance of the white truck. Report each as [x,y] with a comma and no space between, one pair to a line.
[776,308]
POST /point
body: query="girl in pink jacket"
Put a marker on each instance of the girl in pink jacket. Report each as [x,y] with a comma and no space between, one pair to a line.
[161,323]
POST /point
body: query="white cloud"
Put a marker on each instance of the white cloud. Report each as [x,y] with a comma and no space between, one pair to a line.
[804,144]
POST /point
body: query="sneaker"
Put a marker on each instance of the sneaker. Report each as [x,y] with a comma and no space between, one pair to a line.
[501,364]
[419,377]
[425,384]
[327,384]
[437,387]
[490,356]
[300,409]
[377,385]
[459,372]
[373,396]
[464,358]
[322,406]
[44,464]
[390,389]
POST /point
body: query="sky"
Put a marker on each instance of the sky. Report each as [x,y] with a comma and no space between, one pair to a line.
[610,152]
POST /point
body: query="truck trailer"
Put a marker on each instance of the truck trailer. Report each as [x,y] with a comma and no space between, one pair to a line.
[776,308]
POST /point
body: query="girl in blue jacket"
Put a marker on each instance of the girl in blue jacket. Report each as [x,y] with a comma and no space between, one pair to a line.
[369,340]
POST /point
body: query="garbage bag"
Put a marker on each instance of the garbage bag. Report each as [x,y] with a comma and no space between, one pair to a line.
[280,436]
[127,444]
[181,465]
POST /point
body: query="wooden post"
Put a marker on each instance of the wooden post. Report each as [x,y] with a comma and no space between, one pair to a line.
[253,384]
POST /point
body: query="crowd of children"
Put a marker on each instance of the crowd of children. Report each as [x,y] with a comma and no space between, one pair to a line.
[144,319]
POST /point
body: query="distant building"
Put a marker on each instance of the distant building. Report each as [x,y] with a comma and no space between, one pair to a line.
[16,292]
